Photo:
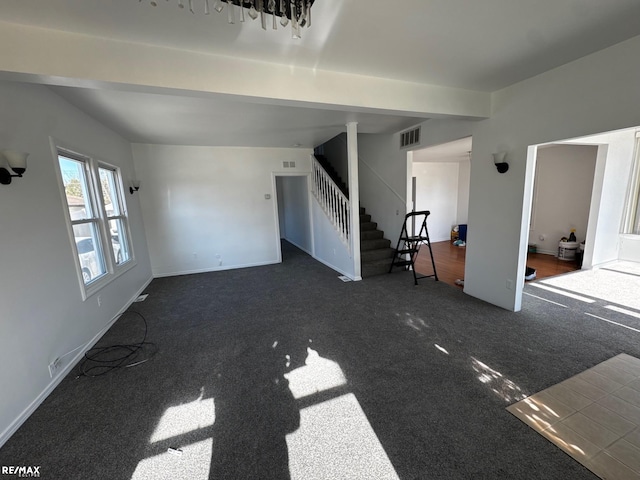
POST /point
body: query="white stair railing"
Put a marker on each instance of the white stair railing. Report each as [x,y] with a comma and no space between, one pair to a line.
[333,202]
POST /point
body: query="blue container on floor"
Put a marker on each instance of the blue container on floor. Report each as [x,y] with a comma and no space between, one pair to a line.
[462,232]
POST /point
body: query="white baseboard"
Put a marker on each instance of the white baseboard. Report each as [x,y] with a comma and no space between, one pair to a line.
[605,264]
[548,252]
[259,264]
[157,274]
[438,239]
[26,413]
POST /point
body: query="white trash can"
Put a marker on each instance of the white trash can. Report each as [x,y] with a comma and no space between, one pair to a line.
[567,250]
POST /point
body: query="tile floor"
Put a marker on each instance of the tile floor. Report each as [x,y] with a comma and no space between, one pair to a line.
[593,416]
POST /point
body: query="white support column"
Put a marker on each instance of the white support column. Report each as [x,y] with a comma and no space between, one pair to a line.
[354,196]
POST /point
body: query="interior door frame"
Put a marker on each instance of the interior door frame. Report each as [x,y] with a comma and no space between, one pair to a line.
[276,202]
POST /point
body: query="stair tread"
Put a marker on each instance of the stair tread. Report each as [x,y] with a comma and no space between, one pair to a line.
[379,261]
[377,254]
[390,251]
[386,261]
[402,263]
[373,270]
[375,240]
[374,244]
[368,226]
[371,234]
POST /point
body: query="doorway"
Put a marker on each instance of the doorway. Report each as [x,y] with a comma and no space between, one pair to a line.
[562,191]
[440,177]
[614,152]
[293,213]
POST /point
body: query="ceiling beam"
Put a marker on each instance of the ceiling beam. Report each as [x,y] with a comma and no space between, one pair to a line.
[39,55]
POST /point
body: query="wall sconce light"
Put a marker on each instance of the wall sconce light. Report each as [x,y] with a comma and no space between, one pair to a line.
[135,186]
[10,160]
[500,160]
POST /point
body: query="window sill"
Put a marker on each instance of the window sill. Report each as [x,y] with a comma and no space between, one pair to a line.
[94,287]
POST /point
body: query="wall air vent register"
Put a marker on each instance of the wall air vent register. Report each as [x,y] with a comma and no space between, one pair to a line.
[410,138]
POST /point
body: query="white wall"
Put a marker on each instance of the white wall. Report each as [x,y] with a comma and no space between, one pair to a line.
[203,205]
[293,205]
[629,248]
[437,191]
[328,247]
[382,170]
[43,314]
[562,194]
[385,180]
[610,186]
[594,94]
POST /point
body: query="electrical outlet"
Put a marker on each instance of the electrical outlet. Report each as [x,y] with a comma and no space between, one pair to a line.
[99,300]
[509,284]
[54,367]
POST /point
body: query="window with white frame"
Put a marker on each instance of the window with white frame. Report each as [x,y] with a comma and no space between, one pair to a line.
[97,218]
[631,222]
[111,188]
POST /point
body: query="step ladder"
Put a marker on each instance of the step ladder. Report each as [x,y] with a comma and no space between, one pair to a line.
[408,246]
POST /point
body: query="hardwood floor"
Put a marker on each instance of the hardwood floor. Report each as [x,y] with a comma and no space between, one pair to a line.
[450,259]
[548,265]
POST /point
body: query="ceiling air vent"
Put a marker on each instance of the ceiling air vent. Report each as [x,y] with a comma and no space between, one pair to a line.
[410,137]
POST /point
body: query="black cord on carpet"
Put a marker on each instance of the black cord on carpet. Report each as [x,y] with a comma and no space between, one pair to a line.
[99,361]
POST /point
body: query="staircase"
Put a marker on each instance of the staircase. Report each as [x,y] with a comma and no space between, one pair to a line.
[333,174]
[375,250]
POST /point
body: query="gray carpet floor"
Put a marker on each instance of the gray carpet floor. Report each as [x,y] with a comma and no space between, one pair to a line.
[431,368]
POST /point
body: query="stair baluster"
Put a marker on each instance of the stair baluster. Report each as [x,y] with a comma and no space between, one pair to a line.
[332,200]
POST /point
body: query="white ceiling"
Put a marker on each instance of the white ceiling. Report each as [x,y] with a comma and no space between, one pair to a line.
[477,45]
